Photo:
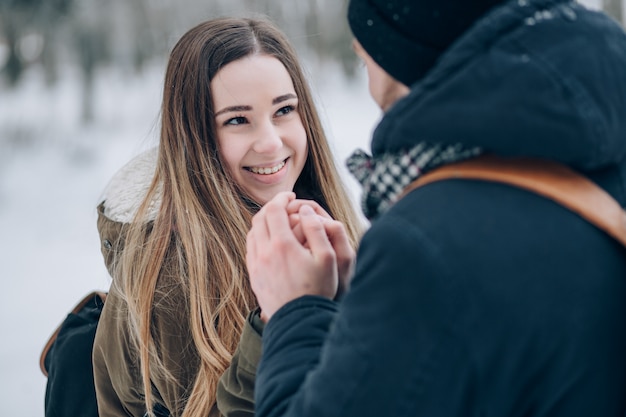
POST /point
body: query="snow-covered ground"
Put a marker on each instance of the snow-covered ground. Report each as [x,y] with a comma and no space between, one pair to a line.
[52,171]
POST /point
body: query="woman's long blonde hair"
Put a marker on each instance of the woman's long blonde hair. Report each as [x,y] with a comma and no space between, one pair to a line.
[201,225]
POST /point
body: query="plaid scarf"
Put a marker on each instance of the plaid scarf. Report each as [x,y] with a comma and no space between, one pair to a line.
[384,178]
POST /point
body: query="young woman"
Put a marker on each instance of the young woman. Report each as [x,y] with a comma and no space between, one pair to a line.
[238,126]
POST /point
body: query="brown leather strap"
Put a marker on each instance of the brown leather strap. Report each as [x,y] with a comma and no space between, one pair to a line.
[53,338]
[546,178]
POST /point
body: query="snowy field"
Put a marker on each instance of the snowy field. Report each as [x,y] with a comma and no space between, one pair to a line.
[52,171]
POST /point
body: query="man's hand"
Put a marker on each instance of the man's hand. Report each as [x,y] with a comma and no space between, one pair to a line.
[282,267]
[337,236]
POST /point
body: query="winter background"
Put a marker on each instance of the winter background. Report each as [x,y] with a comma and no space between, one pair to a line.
[61,142]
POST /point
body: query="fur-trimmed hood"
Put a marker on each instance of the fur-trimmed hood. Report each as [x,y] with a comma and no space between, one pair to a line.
[121,199]
[128,187]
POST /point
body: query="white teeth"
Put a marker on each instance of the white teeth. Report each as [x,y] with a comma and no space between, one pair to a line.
[268,170]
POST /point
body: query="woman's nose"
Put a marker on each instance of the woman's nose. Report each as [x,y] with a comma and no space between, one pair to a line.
[268,139]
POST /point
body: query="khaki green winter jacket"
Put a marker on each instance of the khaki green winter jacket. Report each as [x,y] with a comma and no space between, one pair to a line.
[118,381]
[119,388]
[235,391]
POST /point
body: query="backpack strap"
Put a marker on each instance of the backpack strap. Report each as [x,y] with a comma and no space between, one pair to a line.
[549,179]
[92,296]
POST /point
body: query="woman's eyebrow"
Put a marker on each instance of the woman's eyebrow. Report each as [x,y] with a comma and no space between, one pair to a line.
[233,109]
[284,97]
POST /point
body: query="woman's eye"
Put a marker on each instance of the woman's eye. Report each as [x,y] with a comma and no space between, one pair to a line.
[285,110]
[239,120]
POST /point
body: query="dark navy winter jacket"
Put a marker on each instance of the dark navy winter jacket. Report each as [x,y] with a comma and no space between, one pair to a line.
[474,298]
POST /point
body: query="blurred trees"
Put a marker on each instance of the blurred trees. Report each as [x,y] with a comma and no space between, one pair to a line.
[87,35]
[27,28]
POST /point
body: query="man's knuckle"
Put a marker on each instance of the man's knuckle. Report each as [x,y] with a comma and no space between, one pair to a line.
[328,256]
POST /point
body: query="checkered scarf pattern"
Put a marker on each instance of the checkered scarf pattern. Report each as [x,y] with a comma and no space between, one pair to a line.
[384,178]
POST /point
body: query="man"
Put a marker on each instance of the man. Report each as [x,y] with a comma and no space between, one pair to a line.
[469,298]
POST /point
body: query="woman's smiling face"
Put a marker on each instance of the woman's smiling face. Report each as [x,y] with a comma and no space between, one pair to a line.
[261,137]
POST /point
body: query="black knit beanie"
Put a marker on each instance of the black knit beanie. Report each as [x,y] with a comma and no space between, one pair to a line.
[406,37]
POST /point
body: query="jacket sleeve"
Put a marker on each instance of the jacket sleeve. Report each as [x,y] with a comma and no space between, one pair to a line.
[116,376]
[174,342]
[390,344]
[235,390]
[115,364]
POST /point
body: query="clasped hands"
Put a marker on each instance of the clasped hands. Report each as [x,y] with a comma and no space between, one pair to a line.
[295,248]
